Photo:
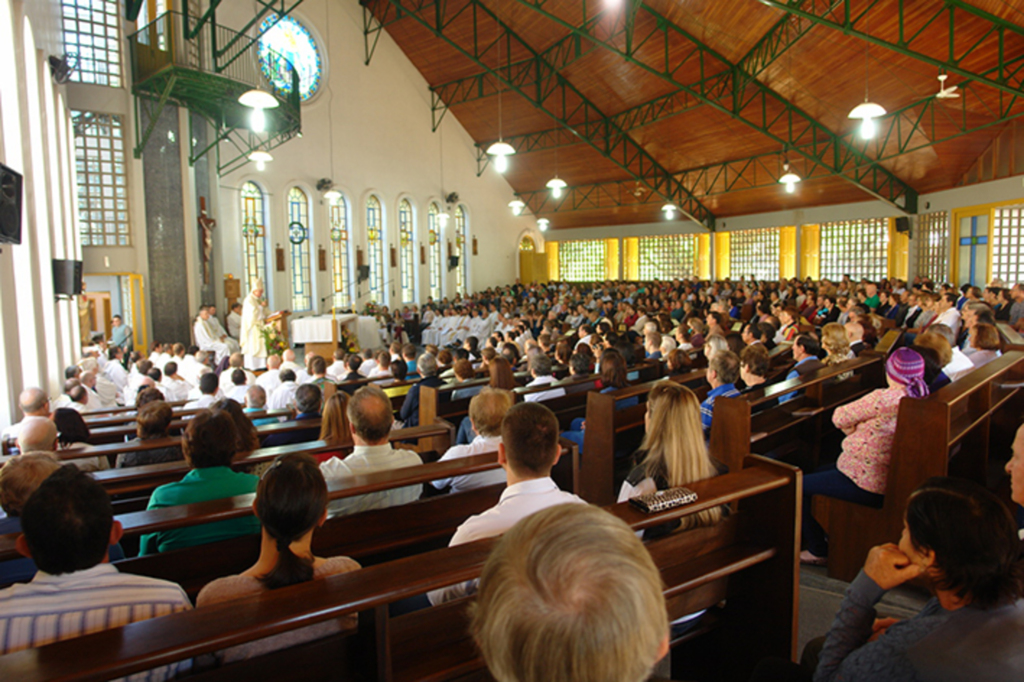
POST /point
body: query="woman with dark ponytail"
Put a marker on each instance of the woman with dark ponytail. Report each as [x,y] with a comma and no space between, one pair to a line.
[291,502]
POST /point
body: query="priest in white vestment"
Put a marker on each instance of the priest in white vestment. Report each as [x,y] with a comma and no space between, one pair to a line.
[253,320]
[207,338]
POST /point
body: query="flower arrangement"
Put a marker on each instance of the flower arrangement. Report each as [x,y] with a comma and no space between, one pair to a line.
[371,309]
[348,341]
[273,341]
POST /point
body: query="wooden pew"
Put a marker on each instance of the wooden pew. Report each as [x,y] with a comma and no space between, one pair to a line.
[605,425]
[149,476]
[889,342]
[1011,338]
[131,408]
[749,561]
[950,432]
[737,430]
[116,434]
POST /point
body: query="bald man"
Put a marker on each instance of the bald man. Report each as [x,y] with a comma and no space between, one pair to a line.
[38,434]
[271,379]
[33,403]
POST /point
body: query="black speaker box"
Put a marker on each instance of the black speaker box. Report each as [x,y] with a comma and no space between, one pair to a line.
[364,273]
[10,206]
[453,262]
[67,277]
[903,224]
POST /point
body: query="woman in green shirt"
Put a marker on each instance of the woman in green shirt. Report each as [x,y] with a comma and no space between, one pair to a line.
[209,446]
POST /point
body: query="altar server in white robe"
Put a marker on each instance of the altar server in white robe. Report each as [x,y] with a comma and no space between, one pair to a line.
[206,336]
[221,333]
[253,320]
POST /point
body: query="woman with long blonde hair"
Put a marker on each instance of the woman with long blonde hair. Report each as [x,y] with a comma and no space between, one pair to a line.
[334,425]
[835,343]
[674,450]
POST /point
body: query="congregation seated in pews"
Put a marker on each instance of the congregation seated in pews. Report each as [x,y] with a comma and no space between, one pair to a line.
[286,481]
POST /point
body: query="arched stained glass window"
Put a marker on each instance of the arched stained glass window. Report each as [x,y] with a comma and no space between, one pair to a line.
[434,250]
[254,234]
[375,243]
[299,231]
[407,248]
[338,215]
[285,37]
[527,244]
[461,250]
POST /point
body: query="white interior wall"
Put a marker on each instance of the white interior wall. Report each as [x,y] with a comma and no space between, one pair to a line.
[383,145]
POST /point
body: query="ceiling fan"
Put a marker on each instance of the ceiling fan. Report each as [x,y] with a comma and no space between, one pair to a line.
[944,92]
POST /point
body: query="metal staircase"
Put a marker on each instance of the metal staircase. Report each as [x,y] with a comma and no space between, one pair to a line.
[197,64]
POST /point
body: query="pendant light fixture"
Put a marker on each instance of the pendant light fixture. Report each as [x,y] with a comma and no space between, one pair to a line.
[500,150]
[260,158]
[442,217]
[867,110]
[258,100]
[556,184]
[332,195]
[789,178]
[542,224]
[517,206]
[670,211]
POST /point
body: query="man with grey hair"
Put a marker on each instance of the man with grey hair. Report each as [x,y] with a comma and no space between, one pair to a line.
[370,417]
[540,370]
[106,389]
[427,368]
[256,401]
[33,403]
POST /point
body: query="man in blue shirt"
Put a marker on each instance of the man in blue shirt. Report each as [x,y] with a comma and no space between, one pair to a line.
[723,371]
[805,352]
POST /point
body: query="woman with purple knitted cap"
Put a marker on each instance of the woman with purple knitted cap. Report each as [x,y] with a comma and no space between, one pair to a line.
[860,474]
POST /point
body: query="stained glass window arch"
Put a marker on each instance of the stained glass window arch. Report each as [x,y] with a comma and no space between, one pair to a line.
[286,37]
[375,249]
[407,248]
[254,233]
[434,250]
[461,250]
[527,244]
[300,232]
[338,218]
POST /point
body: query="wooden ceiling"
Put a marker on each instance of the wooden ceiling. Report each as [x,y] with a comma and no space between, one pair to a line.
[821,73]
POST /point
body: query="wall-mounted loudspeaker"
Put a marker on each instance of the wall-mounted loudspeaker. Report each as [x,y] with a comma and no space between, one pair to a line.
[903,224]
[364,272]
[10,206]
[453,262]
[67,277]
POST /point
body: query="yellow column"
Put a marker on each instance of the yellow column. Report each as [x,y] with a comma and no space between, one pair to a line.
[551,248]
[787,251]
[704,256]
[899,252]
[721,255]
[611,258]
[631,246]
[810,251]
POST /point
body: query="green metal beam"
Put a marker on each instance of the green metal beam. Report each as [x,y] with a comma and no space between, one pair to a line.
[555,96]
[932,24]
[749,101]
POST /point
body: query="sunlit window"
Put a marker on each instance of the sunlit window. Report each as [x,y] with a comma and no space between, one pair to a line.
[407,247]
[286,38]
[858,248]
[299,231]
[754,253]
[339,234]
[932,240]
[92,31]
[375,242]
[254,234]
[102,179]
[461,250]
[1007,240]
[581,260]
[667,257]
[434,250]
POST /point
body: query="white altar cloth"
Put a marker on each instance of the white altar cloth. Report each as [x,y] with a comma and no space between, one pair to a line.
[318,329]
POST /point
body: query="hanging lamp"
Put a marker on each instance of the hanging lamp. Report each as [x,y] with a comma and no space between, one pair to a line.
[500,150]
[789,178]
[517,206]
[867,111]
[258,100]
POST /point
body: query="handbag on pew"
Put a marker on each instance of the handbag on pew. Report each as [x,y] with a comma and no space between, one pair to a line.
[660,500]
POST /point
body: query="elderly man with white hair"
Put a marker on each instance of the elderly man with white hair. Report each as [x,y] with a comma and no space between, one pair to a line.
[207,337]
[105,389]
[34,403]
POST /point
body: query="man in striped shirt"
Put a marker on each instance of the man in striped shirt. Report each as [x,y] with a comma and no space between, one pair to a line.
[68,526]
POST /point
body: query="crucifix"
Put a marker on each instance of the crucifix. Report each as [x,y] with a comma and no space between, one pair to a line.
[206,225]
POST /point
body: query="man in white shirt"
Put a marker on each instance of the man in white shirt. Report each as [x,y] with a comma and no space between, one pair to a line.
[337,370]
[209,387]
[236,361]
[540,370]
[103,387]
[238,388]
[222,333]
[528,450]
[370,418]
[206,335]
[947,313]
[68,526]
[175,386]
[289,363]
[487,409]
[271,379]
[114,369]
[283,397]
[34,405]
[235,321]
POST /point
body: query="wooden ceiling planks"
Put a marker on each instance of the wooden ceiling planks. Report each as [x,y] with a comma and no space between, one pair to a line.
[822,74]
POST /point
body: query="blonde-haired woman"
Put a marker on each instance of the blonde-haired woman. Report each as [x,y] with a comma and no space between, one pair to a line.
[674,450]
[835,343]
[334,426]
